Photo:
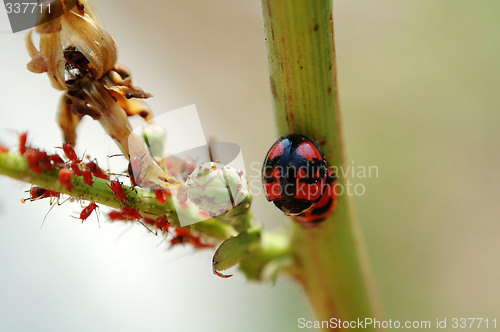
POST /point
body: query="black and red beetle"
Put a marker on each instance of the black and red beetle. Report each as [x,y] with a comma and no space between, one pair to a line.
[294,174]
[321,209]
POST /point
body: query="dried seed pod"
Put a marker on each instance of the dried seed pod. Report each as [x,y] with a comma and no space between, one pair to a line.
[74,31]
[79,57]
[88,37]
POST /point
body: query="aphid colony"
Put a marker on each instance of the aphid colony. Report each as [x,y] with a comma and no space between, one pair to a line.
[72,166]
[39,161]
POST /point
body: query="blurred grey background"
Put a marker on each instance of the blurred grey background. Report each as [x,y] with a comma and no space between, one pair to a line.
[419,89]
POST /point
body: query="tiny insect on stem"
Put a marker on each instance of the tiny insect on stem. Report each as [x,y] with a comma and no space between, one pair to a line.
[161,193]
[131,213]
[65,176]
[162,223]
[116,215]
[87,211]
[38,160]
[96,170]
[39,193]
[87,177]
[76,169]
[70,153]
[22,143]
[57,160]
[118,190]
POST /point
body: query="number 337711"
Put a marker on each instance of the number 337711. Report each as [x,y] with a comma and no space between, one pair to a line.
[26,7]
[469,323]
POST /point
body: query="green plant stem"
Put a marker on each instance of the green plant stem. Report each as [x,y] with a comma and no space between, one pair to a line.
[330,261]
[15,166]
[236,227]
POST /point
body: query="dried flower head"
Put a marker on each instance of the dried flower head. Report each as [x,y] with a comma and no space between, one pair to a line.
[70,42]
[79,57]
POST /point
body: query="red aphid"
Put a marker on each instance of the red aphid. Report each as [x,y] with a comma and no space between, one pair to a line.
[22,143]
[36,192]
[65,176]
[131,213]
[148,221]
[87,211]
[131,175]
[159,196]
[184,236]
[38,160]
[181,236]
[162,223]
[76,169]
[97,171]
[70,153]
[116,215]
[46,162]
[178,240]
[198,243]
[39,192]
[117,188]
[3,149]
[182,232]
[87,177]
[32,157]
[57,160]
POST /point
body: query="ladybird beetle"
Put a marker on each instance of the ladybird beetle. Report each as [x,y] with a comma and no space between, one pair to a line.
[294,174]
[323,207]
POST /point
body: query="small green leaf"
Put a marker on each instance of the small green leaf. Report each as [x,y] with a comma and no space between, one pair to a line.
[234,249]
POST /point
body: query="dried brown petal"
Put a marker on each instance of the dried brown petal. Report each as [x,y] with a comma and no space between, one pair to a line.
[38,63]
[83,33]
[68,121]
[133,106]
[50,48]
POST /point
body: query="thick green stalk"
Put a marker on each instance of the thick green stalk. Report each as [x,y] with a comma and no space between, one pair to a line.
[330,261]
